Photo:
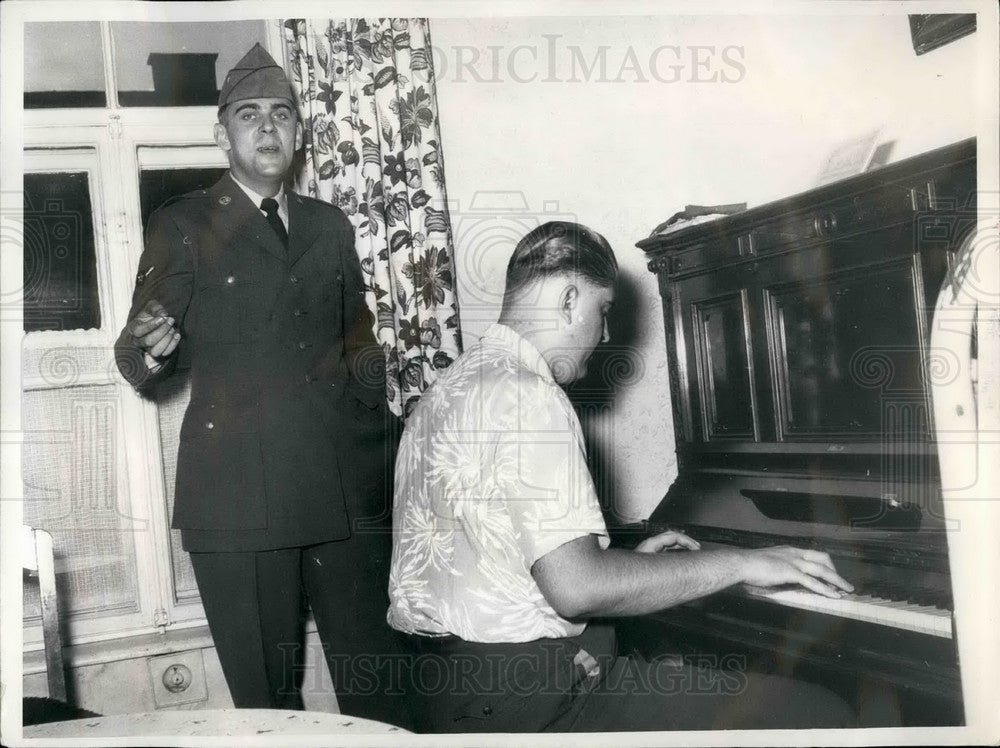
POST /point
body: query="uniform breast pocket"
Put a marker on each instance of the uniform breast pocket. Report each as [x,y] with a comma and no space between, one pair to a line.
[321,275]
[223,306]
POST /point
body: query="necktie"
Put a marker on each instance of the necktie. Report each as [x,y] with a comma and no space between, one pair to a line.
[270,206]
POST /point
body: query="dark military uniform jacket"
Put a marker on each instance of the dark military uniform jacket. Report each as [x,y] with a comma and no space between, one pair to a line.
[287,381]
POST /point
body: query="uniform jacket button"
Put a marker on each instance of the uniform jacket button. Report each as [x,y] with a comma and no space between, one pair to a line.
[487,710]
[293,278]
[231,279]
[302,345]
[209,425]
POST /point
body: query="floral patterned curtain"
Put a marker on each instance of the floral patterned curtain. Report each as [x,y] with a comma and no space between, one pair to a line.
[366,94]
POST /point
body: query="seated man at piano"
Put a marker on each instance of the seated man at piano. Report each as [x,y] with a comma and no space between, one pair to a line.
[502,576]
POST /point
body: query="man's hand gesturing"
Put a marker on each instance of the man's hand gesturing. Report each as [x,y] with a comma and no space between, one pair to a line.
[153,330]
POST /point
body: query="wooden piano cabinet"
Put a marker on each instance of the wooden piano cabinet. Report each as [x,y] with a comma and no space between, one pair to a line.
[797,335]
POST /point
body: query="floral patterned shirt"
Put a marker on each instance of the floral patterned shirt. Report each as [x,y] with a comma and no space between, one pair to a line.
[491,475]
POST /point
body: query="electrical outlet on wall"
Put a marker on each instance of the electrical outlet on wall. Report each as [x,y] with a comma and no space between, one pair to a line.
[178,678]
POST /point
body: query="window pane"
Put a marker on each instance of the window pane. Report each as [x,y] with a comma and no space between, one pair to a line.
[63,65]
[172,397]
[60,265]
[156,186]
[69,464]
[178,64]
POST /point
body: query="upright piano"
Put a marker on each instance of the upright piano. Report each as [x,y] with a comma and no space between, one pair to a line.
[799,367]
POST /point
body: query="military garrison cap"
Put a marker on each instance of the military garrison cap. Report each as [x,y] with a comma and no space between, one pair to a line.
[256,76]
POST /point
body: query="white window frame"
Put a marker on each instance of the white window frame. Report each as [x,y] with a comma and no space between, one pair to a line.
[85,150]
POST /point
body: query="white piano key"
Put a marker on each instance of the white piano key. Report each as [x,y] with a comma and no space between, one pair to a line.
[897,604]
[920,618]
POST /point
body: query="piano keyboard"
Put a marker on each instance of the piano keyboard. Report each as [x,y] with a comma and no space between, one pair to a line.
[923,619]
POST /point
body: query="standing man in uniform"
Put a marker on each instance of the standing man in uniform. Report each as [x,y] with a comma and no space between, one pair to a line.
[282,463]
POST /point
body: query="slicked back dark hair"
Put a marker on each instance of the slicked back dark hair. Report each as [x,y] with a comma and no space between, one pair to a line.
[556,248]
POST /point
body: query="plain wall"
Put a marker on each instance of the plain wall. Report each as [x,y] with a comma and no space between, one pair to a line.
[533,128]
[128,684]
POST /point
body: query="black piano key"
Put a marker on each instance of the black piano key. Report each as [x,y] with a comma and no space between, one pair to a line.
[896,591]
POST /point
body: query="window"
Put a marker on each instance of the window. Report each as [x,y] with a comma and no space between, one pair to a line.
[156,186]
[60,267]
[178,64]
[63,65]
[163,173]
[131,64]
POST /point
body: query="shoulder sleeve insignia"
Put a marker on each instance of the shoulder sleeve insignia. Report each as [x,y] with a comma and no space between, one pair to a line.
[141,276]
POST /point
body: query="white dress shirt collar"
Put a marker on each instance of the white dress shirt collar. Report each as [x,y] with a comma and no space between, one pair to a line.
[281,198]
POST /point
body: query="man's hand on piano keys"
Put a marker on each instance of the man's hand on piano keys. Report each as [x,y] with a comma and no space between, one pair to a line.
[773,567]
[667,541]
